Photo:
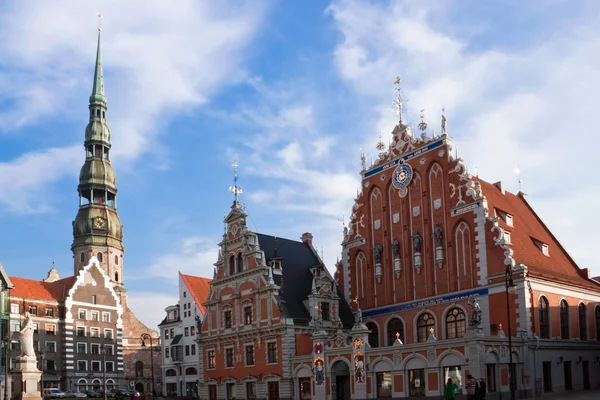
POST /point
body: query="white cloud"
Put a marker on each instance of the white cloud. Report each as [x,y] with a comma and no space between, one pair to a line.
[193,255]
[149,306]
[533,107]
[158,59]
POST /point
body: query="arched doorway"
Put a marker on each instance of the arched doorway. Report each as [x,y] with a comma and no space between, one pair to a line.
[139,387]
[340,374]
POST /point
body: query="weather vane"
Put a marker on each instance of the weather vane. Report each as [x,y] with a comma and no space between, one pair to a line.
[99,15]
[235,189]
[422,124]
[398,100]
[380,145]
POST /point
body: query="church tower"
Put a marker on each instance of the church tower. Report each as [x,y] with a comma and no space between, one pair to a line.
[97,230]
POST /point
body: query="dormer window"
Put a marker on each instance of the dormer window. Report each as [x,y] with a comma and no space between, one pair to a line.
[507,237]
[509,220]
[545,250]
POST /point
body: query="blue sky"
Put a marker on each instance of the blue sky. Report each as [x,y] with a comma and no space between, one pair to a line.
[293,91]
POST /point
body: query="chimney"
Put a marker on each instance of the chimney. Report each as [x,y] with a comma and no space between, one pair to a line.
[307,238]
[500,186]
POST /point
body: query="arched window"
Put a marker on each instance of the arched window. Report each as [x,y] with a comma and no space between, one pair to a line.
[359,275]
[139,369]
[99,257]
[456,323]
[424,324]
[544,318]
[231,265]
[564,320]
[116,260]
[82,257]
[171,372]
[116,277]
[597,318]
[191,371]
[582,311]
[373,335]
[395,326]
[240,262]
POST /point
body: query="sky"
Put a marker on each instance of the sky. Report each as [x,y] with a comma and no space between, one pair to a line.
[292,91]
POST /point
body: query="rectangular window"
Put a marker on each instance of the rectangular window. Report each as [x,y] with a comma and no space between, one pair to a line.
[108,333]
[96,366]
[167,352]
[184,294]
[15,308]
[251,390]
[172,332]
[250,355]
[50,312]
[192,330]
[83,314]
[95,316]
[211,359]
[95,348]
[325,314]
[95,332]
[384,384]
[110,366]
[271,353]
[491,377]
[15,327]
[81,348]
[547,376]
[186,331]
[36,328]
[248,315]
[81,365]
[50,329]
[187,350]
[229,357]
[227,315]
[177,353]
[33,310]
[509,220]
[416,382]
[36,345]
[193,349]
[15,345]
[109,349]
[81,331]
[545,250]
[50,347]
[166,333]
[507,237]
[50,365]
[93,299]
[105,317]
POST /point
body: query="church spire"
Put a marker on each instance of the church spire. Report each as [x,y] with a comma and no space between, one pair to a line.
[98,89]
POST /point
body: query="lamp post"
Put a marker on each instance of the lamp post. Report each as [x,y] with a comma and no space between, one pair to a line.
[145,337]
[510,288]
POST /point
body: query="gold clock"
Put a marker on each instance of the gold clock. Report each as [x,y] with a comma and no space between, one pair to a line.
[99,223]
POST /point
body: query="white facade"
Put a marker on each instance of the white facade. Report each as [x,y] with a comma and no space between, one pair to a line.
[180,352]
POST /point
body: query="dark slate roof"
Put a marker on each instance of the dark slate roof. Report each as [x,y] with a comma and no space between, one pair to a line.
[296,259]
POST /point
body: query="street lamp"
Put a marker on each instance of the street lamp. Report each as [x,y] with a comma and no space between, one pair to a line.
[145,337]
[510,288]
[103,349]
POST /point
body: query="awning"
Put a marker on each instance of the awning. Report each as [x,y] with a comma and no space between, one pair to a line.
[176,339]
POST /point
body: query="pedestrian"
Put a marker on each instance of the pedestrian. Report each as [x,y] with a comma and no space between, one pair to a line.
[482,389]
[470,386]
[195,395]
[450,390]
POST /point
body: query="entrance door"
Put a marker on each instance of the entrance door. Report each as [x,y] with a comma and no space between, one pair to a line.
[273,390]
[586,375]
[139,387]
[212,392]
[342,384]
[547,376]
[568,378]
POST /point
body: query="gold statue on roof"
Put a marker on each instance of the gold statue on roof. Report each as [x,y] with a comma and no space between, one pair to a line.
[397,81]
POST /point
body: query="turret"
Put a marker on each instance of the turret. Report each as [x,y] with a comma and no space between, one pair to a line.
[97,230]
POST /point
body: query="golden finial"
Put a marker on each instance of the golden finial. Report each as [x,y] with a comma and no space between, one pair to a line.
[397,81]
[99,15]
[397,336]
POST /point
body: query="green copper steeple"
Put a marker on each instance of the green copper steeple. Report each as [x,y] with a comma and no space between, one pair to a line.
[98,90]
[97,230]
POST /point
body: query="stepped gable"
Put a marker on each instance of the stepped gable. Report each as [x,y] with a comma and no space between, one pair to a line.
[40,290]
[199,288]
[297,260]
[526,230]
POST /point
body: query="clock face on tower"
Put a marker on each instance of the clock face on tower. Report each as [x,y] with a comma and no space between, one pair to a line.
[99,223]
[402,177]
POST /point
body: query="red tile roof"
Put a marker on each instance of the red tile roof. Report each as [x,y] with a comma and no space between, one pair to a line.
[199,288]
[38,290]
[526,230]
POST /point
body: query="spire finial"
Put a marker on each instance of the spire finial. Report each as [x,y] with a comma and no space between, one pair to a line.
[380,146]
[98,89]
[422,124]
[235,189]
[99,15]
[398,100]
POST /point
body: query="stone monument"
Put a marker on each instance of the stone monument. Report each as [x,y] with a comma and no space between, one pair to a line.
[27,376]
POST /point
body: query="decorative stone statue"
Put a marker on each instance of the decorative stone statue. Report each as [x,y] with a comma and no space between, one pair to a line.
[438,233]
[396,249]
[475,313]
[377,253]
[417,242]
[27,349]
[358,316]
[198,324]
